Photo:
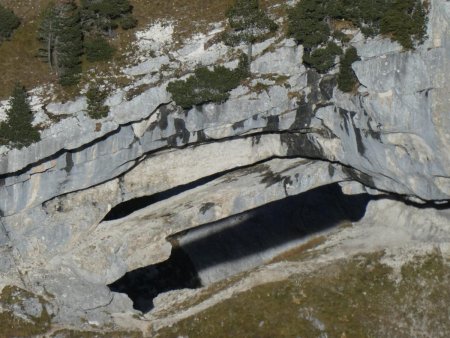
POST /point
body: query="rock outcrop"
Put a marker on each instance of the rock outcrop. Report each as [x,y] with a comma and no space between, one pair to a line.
[287,131]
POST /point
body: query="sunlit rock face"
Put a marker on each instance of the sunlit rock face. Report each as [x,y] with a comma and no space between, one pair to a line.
[394,130]
[297,133]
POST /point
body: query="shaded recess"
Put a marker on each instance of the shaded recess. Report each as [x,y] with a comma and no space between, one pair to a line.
[221,249]
[144,284]
[259,234]
[128,207]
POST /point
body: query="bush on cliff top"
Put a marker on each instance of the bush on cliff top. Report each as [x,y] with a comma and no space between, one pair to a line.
[8,23]
[401,20]
[313,24]
[96,98]
[208,85]
[322,59]
[347,80]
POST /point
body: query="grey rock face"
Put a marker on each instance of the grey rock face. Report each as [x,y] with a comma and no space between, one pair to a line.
[115,247]
[397,124]
[393,135]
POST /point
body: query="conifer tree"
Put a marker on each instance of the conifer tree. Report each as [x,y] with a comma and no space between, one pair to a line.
[103,16]
[248,23]
[405,21]
[98,49]
[346,78]
[70,44]
[8,23]
[307,23]
[18,130]
[61,36]
[47,34]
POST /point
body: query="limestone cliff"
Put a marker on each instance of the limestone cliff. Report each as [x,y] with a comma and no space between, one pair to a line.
[286,132]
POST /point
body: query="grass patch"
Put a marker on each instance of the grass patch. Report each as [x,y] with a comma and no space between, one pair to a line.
[260,87]
[95,334]
[357,297]
[13,326]
[302,252]
[18,61]
[191,16]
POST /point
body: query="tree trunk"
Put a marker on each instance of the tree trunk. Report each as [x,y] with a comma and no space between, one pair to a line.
[55,56]
[49,51]
[249,56]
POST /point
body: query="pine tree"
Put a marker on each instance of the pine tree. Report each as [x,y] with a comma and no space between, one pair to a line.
[8,23]
[346,79]
[69,44]
[47,34]
[18,130]
[322,59]
[103,16]
[405,22]
[61,36]
[248,23]
[98,49]
[307,23]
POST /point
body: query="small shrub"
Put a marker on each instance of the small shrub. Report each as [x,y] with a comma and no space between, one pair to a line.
[96,102]
[128,21]
[104,16]
[405,22]
[322,59]
[18,130]
[340,36]
[98,49]
[347,79]
[8,23]
[307,23]
[70,76]
[248,22]
[312,23]
[207,85]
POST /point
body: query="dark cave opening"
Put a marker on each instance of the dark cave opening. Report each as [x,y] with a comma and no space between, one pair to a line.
[215,251]
[144,284]
[128,207]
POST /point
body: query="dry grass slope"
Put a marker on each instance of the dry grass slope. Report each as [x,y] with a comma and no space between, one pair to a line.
[356,297]
[18,61]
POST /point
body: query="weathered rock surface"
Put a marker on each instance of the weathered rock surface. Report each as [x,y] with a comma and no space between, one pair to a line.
[392,135]
[115,247]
